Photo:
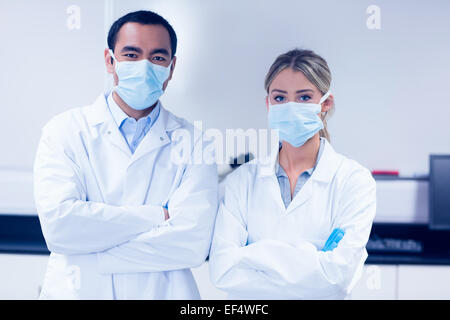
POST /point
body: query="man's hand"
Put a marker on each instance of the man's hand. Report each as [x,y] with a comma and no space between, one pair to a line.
[166,213]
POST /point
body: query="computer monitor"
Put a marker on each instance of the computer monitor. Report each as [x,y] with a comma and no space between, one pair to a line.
[439,192]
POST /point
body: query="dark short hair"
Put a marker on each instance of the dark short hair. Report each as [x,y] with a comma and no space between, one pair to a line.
[142,17]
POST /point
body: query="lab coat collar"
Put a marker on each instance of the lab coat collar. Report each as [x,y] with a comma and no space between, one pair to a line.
[120,116]
[328,164]
[98,113]
[324,171]
[157,136]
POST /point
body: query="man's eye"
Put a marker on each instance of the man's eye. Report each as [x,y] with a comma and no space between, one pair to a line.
[158,58]
[278,98]
[130,55]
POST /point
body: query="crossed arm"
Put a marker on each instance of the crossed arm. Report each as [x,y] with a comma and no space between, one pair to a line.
[269,269]
[125,238]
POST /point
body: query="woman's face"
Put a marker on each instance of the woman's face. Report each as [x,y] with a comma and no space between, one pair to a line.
[292,86]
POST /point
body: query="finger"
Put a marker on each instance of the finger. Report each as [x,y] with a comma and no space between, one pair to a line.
[339,237]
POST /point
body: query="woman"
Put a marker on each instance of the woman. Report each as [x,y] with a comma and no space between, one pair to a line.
[270,238]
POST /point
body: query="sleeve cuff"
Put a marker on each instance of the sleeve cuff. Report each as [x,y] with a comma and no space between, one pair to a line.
[153,214]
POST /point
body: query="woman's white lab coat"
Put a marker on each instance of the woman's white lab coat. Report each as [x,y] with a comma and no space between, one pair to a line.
[100,208]
[262,250]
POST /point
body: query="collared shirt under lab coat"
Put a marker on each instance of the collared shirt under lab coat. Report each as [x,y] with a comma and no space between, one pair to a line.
[263,250]
[132,130]
[283,179]
[100,208]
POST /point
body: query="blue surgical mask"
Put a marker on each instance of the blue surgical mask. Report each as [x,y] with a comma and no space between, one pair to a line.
[296,122]
[140,82]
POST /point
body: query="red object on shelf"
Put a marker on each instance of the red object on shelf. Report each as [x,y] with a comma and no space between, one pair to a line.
[385,172]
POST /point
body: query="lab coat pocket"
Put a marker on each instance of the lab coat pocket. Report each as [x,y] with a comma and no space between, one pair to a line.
[60,280]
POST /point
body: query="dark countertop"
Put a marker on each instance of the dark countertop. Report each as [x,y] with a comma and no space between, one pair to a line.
[32,246]
[408,259]
[22,234]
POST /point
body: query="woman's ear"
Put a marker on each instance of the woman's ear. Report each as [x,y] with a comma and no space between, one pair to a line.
[328,104]
[267,103]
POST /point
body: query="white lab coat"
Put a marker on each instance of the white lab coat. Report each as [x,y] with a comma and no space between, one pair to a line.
[262,250]
[100,208]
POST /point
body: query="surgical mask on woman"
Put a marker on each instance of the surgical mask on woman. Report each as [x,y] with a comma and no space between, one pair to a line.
[140,82]
[296,122]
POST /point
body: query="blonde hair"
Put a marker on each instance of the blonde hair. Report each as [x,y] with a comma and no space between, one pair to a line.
[315,69]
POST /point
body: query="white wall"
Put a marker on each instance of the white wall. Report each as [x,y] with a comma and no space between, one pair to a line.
[390,84]
[46,68]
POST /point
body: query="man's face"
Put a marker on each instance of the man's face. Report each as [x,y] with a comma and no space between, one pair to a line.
[137,41]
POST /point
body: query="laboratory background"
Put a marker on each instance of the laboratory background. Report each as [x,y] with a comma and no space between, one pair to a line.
[390,66]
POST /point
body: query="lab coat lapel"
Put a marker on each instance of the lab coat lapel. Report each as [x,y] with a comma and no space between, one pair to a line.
[328,165]
[323,174]
[157,136]
[99,114]
[303,196]
[115,136]
[275,186]
[139,175]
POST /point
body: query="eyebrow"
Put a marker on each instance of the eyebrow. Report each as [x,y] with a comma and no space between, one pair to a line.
[140,51]
[298,91]
[161,50]
[131,48]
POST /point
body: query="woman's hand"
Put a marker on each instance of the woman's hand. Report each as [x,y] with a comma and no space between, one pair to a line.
[334,239]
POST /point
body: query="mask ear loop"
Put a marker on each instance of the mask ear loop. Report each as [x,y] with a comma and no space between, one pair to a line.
[114,58]
[324,97]
[112,55]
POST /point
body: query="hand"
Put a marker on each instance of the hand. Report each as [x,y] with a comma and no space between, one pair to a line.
[166,214]
[334,239]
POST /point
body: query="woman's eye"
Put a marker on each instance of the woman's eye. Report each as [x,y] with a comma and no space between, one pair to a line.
[304,98]
[278,98]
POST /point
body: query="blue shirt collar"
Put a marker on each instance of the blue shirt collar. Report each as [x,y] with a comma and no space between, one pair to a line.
[279,171]
[119,115]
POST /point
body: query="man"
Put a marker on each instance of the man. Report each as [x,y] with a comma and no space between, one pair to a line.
[121,218]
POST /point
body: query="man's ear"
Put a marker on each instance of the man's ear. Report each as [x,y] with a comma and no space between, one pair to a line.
[109,62]
[172,67]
